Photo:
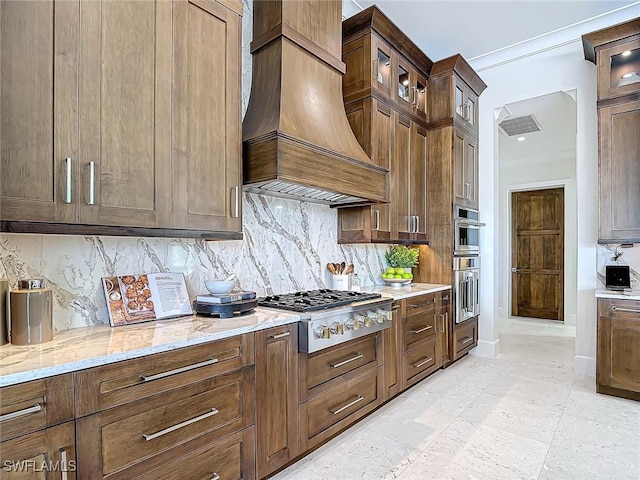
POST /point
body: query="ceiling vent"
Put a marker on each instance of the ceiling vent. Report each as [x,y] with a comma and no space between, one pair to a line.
[519,125]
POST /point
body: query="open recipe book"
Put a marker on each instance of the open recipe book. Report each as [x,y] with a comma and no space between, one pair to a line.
[141,298]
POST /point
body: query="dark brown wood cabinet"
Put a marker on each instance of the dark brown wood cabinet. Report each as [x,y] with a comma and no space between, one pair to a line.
[444,327]
[393,352]
[104,132]
[139,416]
[276,397]
[618,349]
[37,434]
[385,95]
[616,52]
[465,337]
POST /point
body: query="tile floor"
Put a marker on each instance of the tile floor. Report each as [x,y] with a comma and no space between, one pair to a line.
[522,415]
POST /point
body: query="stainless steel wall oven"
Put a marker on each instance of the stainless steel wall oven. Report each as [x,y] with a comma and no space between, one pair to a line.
[467,232]
[466,287]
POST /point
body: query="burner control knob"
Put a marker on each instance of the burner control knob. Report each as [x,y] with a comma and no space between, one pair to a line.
[323,331]
[352,324]
[337,328]
[367,321]
[382,315]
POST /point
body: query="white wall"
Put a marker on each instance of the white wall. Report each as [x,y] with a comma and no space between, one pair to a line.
[548,64]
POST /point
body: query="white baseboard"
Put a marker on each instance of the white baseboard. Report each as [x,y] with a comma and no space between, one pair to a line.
[584,365]
[487,349]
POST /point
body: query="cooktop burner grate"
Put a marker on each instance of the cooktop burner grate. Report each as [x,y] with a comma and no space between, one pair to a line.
[314,300]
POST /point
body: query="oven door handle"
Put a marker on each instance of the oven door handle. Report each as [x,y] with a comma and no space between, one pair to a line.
[465,222]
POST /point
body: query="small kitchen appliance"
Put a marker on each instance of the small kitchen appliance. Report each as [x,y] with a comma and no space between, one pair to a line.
[31,308]
[332,317]
[617,277]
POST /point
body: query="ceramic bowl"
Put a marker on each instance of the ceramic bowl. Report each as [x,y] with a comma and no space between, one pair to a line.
[397,282]
[220,287]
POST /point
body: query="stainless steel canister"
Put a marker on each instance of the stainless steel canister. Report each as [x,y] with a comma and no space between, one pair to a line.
[31,308]
[4,310]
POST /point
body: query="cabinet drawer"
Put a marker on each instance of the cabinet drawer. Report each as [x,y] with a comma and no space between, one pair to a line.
[418,360]
[465,336]
[620,309]
[351,399]
[422,303]
[31,406]
[418,328]
[48,453]
[233,458]
[130,433]
[104,387]
[333,362]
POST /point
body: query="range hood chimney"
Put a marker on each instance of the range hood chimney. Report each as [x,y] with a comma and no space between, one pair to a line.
[297,141]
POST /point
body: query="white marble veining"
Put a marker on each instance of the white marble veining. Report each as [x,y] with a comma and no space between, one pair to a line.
[81,348]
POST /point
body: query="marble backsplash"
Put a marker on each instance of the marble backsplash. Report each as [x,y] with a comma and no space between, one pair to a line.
[630,256]
[286,247]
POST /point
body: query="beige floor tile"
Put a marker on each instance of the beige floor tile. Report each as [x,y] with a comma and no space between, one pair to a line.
[429,466]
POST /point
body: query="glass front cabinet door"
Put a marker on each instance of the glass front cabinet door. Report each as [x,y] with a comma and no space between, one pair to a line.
[619,70]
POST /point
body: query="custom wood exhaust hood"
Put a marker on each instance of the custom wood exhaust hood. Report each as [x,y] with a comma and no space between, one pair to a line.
[297,141]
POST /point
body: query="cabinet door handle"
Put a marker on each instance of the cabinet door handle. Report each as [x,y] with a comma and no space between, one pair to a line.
[466,340]
[433,300]
[20,413]
[445,298]
[279,335]
[236,201]
[377,217]
[178,370]
[63,464]
[348,360]
[215,476]
[423,329]
[623,309]
[67,171]
[177,426]
[443,323]
[359,398]
[424,362]
[92,183]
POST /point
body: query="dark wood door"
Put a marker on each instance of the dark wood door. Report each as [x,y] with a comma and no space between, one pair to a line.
[538,253]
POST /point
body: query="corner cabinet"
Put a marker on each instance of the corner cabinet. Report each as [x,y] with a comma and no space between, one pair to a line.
[616,53]
[618,349]
[117,132]
[385,95]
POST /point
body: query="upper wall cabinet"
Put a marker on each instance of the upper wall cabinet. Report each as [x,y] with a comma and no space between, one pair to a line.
[117,119]
[616,52]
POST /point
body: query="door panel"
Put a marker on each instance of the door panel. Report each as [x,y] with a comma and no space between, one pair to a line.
[418,189]
[538,254]
[125,112]
[39,122]
[400,180]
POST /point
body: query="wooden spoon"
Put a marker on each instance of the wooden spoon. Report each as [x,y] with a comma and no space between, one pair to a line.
[331,268]
[349,269]
[342,267]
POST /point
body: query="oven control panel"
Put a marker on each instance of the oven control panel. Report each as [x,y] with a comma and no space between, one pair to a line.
[336,326]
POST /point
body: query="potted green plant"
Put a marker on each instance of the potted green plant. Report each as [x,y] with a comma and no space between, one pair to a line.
[401,256]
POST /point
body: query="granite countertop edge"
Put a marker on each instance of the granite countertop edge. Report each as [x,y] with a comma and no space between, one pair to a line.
[87,347]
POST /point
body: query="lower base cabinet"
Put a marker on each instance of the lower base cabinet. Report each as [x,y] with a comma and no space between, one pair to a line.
[46,454]
[618,350]
[465,337]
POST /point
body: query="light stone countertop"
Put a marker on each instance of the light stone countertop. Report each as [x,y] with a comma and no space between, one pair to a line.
[626,295]
[411,290]
[86,347]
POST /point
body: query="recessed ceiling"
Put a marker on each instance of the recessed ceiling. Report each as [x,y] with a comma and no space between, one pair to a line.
[477,27]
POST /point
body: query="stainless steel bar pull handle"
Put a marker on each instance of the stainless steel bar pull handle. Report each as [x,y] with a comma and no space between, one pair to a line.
[623,309]
[67,169]
[215,476]
[443,323]
[279,335]
[424,362]
[413,305]
[466,340]
[359,398]
[177,426]
[178,370]
[236,202]
[377,217]
[348,360]
[63,464]
[20,413]
[423,329]
[92,183]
